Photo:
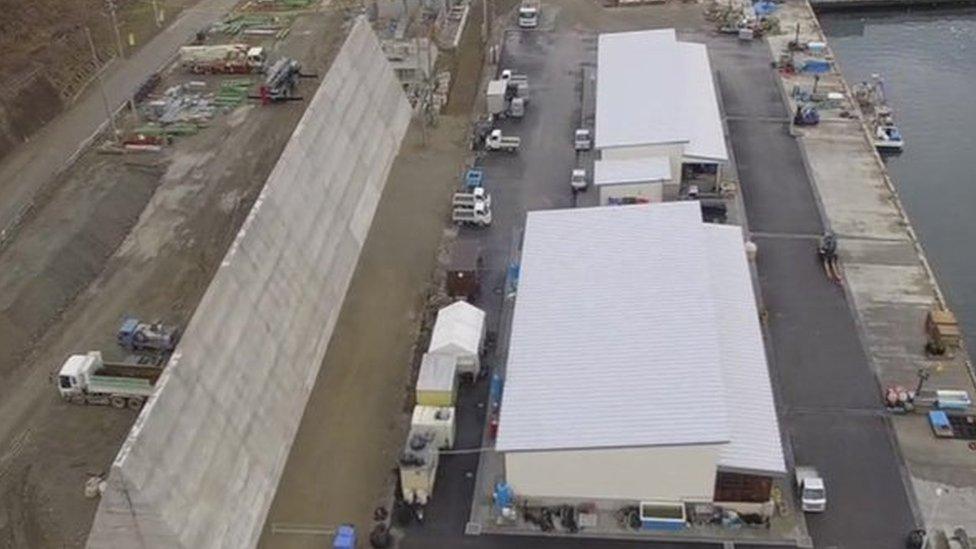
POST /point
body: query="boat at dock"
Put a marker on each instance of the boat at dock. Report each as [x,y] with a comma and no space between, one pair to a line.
[871,99]
[887,138]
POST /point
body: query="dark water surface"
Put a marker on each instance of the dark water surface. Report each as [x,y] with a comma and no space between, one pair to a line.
[927,59]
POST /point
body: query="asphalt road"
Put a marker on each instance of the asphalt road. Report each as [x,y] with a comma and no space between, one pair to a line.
[826,391]
[34,164]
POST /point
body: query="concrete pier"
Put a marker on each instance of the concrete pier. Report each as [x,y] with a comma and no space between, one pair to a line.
[888,281]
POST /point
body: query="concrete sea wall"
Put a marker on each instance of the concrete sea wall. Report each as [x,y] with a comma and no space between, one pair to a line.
[202,462]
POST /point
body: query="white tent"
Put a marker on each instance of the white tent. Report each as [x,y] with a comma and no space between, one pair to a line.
[460,332]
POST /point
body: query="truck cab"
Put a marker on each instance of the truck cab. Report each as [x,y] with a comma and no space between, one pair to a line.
[528,14]
[256,57]
[75,372]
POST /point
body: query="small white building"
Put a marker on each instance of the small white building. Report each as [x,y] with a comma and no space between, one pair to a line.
[459,331]
[655,96]
[634,181]
[636,368]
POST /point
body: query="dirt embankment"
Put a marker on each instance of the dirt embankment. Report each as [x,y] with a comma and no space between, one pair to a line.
[47,60]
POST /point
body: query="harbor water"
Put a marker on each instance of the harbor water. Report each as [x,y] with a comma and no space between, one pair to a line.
[927,60]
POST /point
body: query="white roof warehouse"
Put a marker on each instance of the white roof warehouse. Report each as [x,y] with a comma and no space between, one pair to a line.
[653,90]
[636,367]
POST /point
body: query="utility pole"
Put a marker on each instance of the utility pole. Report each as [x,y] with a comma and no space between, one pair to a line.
[115,25]
[156,17]
[101,87]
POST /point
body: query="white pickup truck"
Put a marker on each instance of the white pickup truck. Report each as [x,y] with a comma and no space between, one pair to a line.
[471,199]
[811,488]
[498,142]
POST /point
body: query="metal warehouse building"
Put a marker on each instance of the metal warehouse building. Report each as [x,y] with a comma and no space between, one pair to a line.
[655,98]
[636,368]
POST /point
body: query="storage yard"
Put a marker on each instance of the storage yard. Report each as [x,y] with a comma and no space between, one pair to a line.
[403,276]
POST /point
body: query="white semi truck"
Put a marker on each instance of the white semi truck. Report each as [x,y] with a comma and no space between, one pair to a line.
[87,379]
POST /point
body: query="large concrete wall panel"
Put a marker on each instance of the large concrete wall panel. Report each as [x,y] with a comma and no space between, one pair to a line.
[201,464]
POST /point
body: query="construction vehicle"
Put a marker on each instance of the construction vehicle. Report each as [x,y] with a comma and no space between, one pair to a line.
[135,335]
[498,142]
[477,195]
[827,251]
[577,181]
[87,379]
[478,215]
[222,59]
[810,486]
[528,14]
[281,81]
[504,101]
[806,115]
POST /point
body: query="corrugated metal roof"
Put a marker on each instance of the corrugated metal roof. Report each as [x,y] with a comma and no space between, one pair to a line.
[612,172]
[755,443]
[652,89]
[437,372]
[641,330]
[606,345]
[458,329]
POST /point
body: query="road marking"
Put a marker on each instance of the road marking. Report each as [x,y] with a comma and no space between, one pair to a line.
[301,529]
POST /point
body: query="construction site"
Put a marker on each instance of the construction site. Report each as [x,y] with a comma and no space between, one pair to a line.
[137,220]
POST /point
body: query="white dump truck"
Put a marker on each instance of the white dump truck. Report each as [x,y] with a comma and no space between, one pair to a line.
[87,379]
[498,142]
[503,102]
[223,59]
[528,14]
[811,488]
[479,215]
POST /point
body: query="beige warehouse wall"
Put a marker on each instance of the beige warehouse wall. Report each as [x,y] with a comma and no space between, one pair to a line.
[202,462]
[666,473]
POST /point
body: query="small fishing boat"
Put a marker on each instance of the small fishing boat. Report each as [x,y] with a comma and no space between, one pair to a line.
[888,138]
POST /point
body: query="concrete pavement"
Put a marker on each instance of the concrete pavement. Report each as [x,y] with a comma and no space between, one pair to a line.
[34,165]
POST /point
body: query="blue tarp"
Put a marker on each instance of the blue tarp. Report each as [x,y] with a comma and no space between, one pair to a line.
[816,66]
[764,8]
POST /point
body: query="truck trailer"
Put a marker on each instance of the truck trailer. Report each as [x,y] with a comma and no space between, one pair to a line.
[222,59]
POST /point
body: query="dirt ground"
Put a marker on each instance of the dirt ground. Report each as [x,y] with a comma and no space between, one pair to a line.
[341,466]
[138,234]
